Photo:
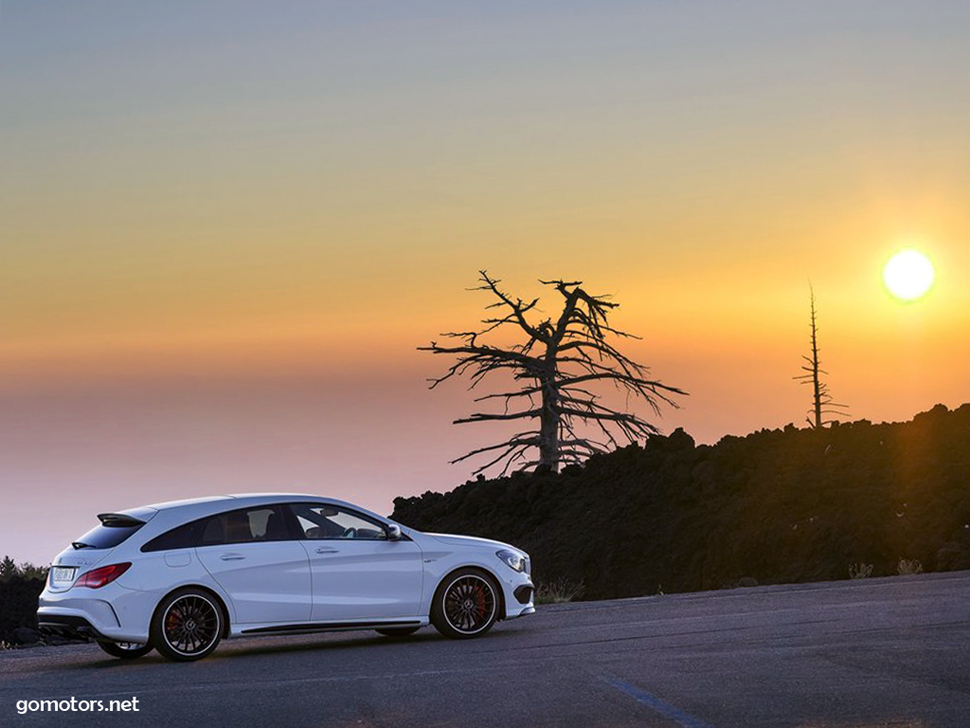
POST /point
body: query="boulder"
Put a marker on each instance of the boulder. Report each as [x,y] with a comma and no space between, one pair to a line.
[24,636]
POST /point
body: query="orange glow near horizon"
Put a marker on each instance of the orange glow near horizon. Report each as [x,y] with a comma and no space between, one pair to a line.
[236,235]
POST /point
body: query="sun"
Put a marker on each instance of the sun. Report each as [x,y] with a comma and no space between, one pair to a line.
[908,275]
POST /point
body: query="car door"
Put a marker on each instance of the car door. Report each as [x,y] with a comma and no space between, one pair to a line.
[358,574]
[254,556]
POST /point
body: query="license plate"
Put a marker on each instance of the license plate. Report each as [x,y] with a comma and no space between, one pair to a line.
[63,574]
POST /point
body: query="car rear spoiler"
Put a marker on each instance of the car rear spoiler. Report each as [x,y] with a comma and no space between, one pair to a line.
[119,520]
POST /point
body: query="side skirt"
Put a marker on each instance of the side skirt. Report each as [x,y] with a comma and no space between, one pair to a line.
[330,627]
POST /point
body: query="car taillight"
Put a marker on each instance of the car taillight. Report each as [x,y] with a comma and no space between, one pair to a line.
[97,578]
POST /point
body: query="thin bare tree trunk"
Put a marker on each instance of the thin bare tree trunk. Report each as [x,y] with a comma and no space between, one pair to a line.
[822,403]
[816,385]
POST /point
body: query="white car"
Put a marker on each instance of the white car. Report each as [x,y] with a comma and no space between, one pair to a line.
[179,577]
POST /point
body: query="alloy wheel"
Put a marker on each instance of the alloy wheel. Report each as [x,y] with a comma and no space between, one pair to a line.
[470,604]
[191,625]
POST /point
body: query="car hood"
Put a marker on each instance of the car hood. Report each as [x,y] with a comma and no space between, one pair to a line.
[453,540]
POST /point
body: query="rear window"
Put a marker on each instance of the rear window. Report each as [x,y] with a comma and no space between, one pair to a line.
[106,536]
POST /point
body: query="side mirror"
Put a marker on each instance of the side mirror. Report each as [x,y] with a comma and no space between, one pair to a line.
[393,532]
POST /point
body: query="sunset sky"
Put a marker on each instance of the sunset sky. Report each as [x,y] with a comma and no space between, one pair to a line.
[226,226]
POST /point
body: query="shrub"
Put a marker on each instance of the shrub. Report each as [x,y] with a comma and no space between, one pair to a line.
[907,567]
[558,591]
[9,570]
[860,571]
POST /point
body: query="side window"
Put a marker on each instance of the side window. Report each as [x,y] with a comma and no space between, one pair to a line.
[185,536]
[263,523]
[320,522]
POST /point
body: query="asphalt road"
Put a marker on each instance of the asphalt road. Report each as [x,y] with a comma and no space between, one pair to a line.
[861,654]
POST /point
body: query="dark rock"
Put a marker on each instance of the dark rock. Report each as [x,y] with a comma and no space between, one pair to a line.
[24,636]
[680,440]
[18,605]
[953,557]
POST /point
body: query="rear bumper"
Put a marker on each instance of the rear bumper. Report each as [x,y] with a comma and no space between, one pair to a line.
[111,613]
[69,626]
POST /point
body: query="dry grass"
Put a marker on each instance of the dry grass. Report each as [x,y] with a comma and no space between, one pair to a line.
[860,571]
[558,591]
[907,567]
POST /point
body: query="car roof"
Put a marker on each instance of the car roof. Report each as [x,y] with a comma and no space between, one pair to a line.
[167,505]
[216,503]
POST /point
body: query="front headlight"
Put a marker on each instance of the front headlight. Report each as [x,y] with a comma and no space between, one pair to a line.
[515,560]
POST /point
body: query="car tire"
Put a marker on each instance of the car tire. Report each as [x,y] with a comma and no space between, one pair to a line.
[466,604]
[397,631]
[126,650]
[187,625]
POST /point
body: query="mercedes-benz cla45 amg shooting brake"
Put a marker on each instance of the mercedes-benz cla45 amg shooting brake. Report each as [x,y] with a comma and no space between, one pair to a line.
[179,577]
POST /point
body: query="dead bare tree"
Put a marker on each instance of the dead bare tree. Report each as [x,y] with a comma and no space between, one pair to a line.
[822,404]
[555,370]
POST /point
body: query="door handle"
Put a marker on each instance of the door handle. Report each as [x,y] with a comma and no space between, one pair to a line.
[232,557]
[323,550]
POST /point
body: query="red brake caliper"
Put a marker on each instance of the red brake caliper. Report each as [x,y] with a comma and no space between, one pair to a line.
[480,602]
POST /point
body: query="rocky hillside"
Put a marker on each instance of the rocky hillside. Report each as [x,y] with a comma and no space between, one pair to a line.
[775,506]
